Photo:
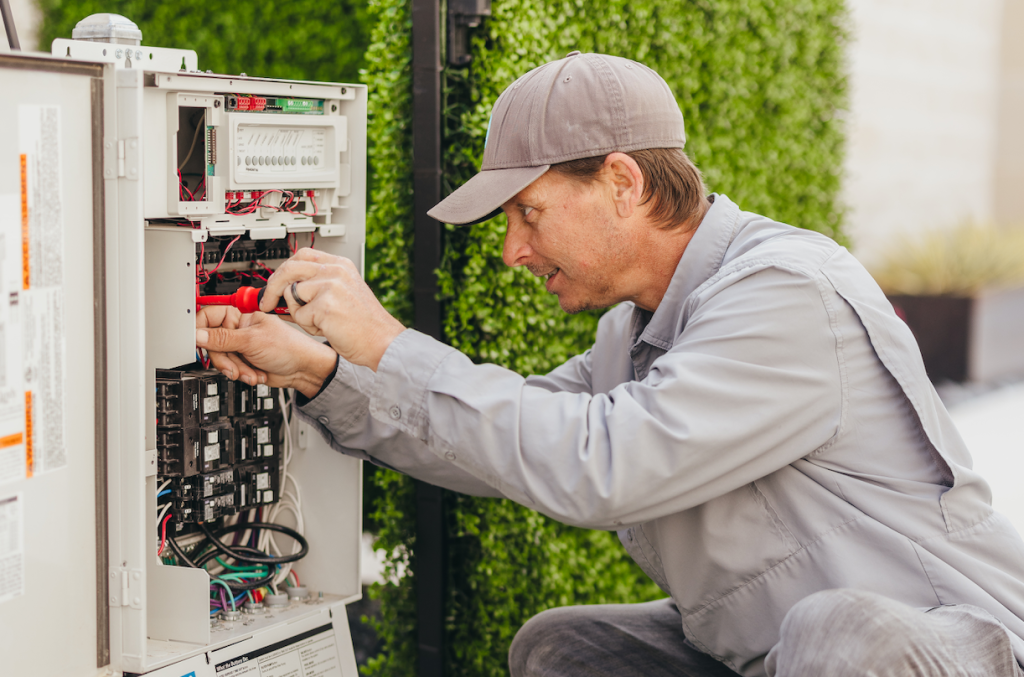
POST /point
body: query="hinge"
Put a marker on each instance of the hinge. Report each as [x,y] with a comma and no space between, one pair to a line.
[128,158]
[126,587]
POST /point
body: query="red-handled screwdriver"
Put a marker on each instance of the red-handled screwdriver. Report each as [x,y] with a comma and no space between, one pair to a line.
[246,299]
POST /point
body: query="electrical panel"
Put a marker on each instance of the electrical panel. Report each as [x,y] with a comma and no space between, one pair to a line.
[226,530]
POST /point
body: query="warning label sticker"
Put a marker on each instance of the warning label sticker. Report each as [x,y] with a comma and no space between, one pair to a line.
[41,298]
[12,556]
[311,654]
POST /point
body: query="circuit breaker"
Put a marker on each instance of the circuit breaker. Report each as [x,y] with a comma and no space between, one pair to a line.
[227,533]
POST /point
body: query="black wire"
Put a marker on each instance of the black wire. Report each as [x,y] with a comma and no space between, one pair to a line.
[214,538]
[238,585]
[182,557]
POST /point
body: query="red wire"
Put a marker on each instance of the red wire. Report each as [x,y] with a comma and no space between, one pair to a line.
[182,186]
[163,534]
[222,258]
[264,266]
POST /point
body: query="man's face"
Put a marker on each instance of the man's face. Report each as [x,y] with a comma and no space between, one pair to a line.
[568,232]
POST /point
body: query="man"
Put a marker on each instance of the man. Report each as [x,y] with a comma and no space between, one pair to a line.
[752,419]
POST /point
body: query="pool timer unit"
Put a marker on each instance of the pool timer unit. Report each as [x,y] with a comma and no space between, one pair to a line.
[203,530]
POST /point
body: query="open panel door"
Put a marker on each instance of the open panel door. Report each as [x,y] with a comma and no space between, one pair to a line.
[54,589]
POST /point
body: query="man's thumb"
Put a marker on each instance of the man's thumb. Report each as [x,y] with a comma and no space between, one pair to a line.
[221,340]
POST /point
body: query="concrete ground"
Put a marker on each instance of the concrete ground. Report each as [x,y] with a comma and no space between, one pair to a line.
[991,425]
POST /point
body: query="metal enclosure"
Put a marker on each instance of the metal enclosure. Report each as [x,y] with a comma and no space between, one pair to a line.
[82,530]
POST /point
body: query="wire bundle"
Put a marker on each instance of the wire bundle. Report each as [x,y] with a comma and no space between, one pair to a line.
[252,564]
[289,203]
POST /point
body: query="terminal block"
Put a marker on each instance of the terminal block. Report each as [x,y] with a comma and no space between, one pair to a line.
[177,401]
[266,401]
[204,486]
[258,438]
[178,451]
[217,444]
[204,509]
[186,399]
[258,484]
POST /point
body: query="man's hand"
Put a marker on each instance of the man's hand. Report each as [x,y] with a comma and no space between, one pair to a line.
[260,348]
[339,305]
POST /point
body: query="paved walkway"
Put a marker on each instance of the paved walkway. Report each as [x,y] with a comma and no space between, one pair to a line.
[992,424]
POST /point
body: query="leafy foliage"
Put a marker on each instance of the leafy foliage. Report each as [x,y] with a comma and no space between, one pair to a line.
[760,83]
[294,39]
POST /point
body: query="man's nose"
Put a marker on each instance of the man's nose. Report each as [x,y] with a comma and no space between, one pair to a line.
[516,249]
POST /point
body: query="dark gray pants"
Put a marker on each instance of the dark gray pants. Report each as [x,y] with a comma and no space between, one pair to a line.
[835,633]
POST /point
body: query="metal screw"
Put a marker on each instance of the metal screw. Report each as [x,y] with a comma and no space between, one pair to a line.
[244,75]
[216,104]
[344,90]
[334,107]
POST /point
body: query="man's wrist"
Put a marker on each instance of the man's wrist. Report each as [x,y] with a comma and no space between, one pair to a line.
[322,364]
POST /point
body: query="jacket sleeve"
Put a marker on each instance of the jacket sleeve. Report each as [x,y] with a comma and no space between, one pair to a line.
[752,384]
[340,413]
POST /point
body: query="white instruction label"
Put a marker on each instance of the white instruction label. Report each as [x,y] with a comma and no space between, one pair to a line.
[311,654]
[12,556]
[12,387]
[41,301]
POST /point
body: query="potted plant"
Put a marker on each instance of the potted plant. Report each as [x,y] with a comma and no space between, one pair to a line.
[961,291]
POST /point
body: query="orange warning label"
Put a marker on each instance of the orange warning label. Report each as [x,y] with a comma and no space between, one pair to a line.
[11,440]
[24,223]
[30,460]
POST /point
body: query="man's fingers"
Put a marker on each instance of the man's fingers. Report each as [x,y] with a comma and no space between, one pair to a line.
[234,367]
[218,316]
[305,265]
[221,340]
[288,272]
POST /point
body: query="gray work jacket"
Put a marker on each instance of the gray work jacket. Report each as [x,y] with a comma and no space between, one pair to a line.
[767,433]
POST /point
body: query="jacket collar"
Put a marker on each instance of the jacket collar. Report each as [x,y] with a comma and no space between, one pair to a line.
[700,261]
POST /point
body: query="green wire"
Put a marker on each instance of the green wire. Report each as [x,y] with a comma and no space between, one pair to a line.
[231,595]
[237,568]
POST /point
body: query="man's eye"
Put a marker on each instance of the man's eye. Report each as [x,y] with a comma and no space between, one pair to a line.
[526,211]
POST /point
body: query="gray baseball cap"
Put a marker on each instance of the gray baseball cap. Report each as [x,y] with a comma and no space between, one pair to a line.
[581,106]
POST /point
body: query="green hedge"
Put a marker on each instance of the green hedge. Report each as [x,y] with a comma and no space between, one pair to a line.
[294,39]
[759,82]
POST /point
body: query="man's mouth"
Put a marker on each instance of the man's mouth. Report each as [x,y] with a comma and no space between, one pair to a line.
[549,277]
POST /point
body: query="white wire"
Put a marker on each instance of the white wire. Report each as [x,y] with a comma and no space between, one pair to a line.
[163,511]
[287,501]
[163,486]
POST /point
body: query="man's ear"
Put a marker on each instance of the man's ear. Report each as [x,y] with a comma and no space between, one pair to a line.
[627,182]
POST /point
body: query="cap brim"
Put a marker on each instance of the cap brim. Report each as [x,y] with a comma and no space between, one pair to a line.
[481,197]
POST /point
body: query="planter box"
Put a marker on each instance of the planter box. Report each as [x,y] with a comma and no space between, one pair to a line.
[967,339]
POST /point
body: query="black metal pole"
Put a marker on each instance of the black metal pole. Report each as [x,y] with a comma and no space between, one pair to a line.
[12,34]
[426,162]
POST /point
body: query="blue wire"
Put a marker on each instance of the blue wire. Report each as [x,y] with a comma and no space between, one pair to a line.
[163,493]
